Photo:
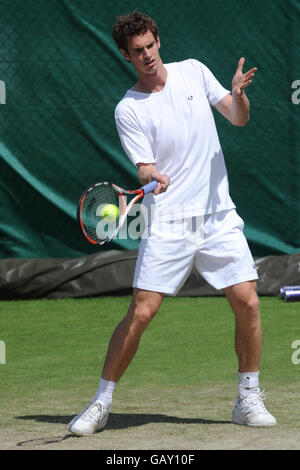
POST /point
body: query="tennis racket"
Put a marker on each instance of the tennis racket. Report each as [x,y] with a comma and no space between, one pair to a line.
[96,226]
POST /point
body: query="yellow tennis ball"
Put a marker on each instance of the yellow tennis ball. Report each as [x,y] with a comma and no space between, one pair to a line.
[110,212]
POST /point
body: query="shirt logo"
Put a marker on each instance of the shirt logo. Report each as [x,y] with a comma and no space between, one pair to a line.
[190,97]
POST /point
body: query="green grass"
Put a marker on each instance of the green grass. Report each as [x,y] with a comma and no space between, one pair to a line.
[61,344]
[178,392]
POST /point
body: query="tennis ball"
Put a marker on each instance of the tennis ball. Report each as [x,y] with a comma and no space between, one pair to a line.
[110,212]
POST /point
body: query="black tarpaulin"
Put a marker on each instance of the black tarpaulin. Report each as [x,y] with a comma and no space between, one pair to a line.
[111,273]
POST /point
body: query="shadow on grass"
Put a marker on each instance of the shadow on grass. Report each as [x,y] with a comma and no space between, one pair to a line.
[115,421]
[126,420]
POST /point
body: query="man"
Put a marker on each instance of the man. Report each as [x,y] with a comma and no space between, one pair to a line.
[166,127]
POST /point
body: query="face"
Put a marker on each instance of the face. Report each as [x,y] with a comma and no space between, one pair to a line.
[143,53]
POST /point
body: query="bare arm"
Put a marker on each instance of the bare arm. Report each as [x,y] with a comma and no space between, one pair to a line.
[148,172]
[235,107]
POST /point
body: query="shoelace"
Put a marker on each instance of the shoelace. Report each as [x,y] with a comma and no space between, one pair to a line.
[254,400]
[94,412]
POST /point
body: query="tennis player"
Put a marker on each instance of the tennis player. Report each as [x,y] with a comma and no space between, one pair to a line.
[167,129]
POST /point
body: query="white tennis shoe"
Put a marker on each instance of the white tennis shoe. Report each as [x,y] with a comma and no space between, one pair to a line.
[93,418]
[250,410]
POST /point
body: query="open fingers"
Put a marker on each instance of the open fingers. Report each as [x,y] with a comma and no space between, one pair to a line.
[250,73]
[247,78]
[240,65]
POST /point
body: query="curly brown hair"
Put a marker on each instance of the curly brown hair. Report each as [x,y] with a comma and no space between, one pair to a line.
[133,24]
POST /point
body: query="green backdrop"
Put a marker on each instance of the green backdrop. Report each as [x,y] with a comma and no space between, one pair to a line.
[62,76]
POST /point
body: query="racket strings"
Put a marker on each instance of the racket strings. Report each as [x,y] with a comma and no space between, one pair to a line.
[95,223]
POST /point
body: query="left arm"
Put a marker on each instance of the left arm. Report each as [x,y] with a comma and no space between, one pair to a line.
[235,107]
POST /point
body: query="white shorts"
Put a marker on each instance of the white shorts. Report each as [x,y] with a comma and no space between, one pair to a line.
[215,244]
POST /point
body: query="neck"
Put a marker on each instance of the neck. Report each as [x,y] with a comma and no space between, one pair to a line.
[152,83]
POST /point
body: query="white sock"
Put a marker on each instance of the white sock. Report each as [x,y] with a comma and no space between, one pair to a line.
[247,382]
[105,392]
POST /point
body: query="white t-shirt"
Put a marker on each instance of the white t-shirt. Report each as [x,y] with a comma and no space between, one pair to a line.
[175,130]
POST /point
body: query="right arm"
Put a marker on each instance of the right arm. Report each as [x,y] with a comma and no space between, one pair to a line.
[135,143]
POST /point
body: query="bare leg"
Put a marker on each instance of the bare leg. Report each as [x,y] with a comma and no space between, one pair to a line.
[126,337]
[248,334]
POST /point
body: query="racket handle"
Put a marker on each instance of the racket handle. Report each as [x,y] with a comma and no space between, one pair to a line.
[149,187]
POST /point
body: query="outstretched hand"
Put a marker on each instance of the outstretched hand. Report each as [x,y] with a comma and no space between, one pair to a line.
[242,80]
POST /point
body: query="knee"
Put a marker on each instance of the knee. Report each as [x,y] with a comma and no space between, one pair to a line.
[142,315]
[252,305]
[249,307]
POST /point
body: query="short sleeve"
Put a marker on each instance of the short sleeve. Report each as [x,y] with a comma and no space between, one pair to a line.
[215,92]
[134,142]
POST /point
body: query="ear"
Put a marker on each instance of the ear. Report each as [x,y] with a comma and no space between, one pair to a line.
[158,42]
[125,55]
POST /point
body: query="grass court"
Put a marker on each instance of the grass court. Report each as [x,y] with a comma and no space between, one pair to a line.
[178,393]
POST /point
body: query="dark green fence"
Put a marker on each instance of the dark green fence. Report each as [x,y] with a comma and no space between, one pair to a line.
[62,76]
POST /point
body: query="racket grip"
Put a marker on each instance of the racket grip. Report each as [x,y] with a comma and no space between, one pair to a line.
[150,186]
